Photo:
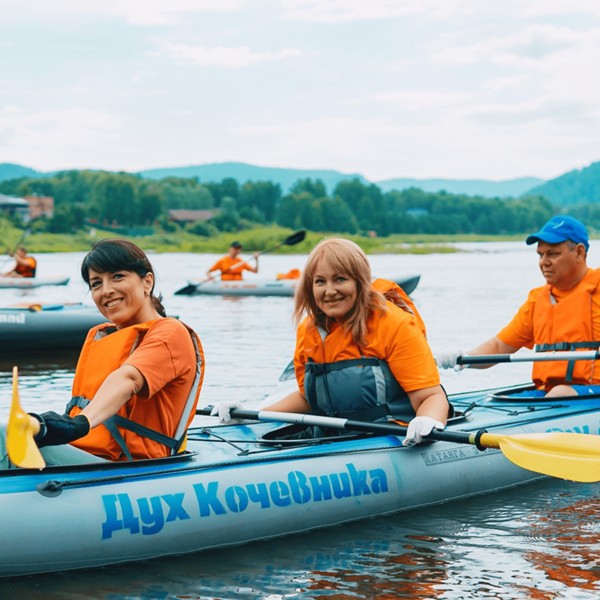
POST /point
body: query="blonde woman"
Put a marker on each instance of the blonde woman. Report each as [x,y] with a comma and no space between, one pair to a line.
[357,355]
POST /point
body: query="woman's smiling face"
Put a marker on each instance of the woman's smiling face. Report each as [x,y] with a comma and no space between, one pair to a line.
[335,293]
[122,297]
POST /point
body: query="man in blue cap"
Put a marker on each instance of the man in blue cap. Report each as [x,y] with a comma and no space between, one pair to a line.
[562,315]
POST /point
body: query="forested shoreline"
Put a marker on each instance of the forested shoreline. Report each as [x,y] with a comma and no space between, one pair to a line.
[83,198]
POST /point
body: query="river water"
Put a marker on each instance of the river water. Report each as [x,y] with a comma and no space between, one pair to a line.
[539,541]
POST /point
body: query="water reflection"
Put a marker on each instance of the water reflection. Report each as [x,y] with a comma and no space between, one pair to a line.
[573,555]
[40,363]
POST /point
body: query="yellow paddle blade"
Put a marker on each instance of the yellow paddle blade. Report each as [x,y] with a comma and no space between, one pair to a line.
[21,428]
[573,456]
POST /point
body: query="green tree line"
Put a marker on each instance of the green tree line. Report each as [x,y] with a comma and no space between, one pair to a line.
[352,207]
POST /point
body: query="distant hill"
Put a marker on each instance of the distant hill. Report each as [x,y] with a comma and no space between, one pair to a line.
[12,171]
[243,172]
[575,187]
[287,177]
[581,186]
[509,188]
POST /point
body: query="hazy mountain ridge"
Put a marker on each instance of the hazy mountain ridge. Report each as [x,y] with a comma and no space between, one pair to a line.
[14,171]
[574,187]
[245,172]
[509,188]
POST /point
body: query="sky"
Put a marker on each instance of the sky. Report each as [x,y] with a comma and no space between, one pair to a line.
[459,89]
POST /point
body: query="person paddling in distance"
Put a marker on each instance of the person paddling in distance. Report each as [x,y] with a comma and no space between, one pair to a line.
[25,264]
[231,266]
[357,355]
[138,378]
[562,314]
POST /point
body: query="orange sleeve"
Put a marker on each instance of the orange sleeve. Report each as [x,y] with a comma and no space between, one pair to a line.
[226,264]
[218,266]
[393,336]
[165,355]
[167,360]
[519,332]
[596,314]
[399,341]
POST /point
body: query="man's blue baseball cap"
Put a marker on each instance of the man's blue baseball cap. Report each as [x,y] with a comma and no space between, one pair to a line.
[560,229]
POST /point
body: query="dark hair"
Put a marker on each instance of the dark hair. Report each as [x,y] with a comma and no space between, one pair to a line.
[111,255]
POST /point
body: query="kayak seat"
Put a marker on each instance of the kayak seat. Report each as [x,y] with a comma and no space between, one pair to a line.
[297,434]
[519,394]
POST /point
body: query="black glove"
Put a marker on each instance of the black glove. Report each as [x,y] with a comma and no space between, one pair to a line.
[56,429]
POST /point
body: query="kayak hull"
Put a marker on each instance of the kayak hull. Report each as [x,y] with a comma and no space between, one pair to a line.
[46,327]
[27,283]
[222,494]
[268,287]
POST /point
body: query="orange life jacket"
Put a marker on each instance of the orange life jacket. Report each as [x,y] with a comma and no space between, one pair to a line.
[396,295]
[291,274]
[232,268]
[565,325]
[118,438]
[27,270]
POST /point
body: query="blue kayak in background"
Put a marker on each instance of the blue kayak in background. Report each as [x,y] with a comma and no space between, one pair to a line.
[43,327]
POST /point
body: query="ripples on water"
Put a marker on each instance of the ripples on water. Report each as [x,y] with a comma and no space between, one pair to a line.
[539,541]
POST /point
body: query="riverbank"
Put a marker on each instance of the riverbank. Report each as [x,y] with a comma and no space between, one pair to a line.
[257,239]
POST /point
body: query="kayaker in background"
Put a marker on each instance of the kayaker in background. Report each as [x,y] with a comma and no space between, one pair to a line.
[138,378]
[25,266]
[357,355]
[563,314]
[231,266]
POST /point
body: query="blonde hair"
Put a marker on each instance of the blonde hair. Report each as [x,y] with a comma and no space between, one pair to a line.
[348,259]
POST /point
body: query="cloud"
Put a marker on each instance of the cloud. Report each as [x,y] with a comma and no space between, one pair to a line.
[159,12]
[227,57]
[527,47]
[545,65]
[134,12]
[53,139]
[422,100]
[362,10]
[335,11]
[518,9]
[438,143]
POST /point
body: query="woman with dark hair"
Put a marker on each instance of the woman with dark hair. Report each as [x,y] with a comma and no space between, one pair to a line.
[138,377]
[358,355]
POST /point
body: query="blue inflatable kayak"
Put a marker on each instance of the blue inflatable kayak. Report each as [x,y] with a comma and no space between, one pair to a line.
[255,480]
[41,327]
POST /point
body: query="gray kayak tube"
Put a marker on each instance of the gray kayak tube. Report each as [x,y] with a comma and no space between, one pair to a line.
[42,327]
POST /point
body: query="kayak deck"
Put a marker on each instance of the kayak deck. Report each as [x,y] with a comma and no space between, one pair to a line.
[234,485]
[31,282]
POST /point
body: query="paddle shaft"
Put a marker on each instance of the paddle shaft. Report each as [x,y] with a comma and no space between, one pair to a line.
[295,238]
[488,359]
[291,240]
[238,264]
[21,240]
[459,437]
[566,455]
